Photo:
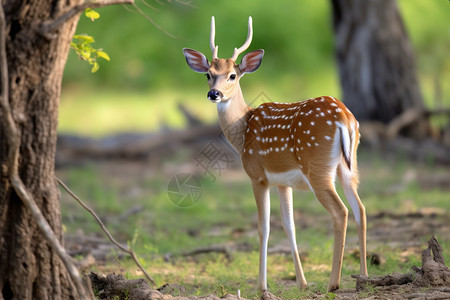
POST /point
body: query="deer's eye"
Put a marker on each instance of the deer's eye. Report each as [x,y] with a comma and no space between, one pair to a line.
[232,76]
[208,76]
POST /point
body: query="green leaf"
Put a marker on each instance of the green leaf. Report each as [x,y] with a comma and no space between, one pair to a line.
[95,67]
[84,38]
[91,14]
[103,55]
[85,54]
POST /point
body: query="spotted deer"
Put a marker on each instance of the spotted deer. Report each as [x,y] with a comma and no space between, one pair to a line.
[301,145]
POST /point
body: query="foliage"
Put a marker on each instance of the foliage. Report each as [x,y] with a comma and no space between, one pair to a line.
[81,44]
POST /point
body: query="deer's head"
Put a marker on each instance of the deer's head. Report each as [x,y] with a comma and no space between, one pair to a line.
[224,74]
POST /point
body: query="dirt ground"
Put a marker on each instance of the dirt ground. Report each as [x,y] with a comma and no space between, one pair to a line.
[401,231]
[397,231]
[429,281]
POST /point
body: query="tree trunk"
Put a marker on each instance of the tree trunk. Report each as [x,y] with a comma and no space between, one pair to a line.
[29,268]
[375,60]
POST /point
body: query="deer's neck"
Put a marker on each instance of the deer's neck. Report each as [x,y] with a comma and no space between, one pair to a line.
[233,118]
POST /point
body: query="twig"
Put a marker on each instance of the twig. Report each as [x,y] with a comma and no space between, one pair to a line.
[13,141]
[149,5]
[152,21]
[105,230]
[49,26]
[187,3]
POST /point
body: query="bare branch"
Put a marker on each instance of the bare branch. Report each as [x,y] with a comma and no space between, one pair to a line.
[45,228]
[149,5]
[4,92]
[152,21]
[105,230]
[49,26]
[187,3]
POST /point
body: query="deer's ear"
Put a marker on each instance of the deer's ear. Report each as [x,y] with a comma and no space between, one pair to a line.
[251,61]
[196,60]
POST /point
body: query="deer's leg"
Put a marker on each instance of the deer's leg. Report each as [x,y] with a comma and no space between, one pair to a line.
[330,200]
[349,183]
[287,215]
[262,198]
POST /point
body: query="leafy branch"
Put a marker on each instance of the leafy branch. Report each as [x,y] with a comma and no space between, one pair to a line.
[82,45]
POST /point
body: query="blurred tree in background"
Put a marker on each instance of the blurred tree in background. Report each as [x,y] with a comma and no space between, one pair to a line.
[376,61]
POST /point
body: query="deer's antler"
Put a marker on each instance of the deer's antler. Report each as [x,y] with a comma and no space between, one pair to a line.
[214,48]
[247,42]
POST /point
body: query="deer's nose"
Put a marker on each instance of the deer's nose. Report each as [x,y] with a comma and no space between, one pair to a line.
[214,95]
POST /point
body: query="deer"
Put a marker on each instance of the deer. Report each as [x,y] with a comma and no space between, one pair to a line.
[303,145]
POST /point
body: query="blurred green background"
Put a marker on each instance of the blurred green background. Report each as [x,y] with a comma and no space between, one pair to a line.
[147,76]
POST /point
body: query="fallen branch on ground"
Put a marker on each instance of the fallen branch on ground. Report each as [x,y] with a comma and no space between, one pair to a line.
[213,249]
[433,272]
[105,230]
[114,286]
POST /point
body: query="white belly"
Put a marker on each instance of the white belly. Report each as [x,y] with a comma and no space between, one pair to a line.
[293,178]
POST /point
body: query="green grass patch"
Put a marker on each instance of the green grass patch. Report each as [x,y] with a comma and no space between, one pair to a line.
[226,215]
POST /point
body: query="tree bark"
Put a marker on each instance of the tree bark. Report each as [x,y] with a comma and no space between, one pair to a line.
[375,60]
[29,269]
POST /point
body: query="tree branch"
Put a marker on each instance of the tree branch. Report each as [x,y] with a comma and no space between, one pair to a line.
[3,62]
[105,230]
[13,142]
[45,228]
[50,26]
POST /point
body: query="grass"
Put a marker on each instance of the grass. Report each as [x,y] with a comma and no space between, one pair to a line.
[226,215]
